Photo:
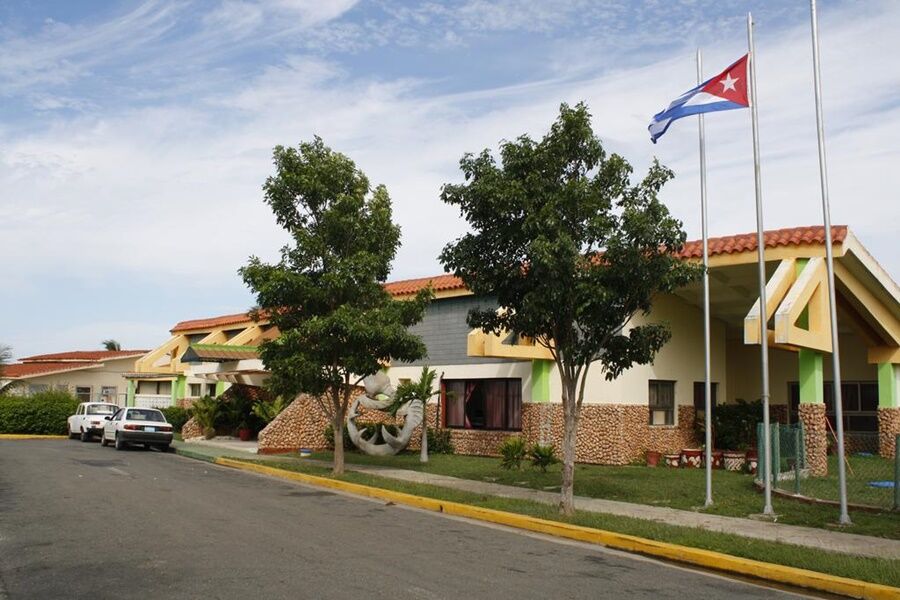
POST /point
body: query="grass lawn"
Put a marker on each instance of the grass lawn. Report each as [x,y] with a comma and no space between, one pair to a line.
[733,493]
[861,469]
[867,569]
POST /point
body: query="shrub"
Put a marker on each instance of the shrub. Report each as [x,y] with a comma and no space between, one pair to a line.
[439,441]
[512,452]
[734,425]
[267,410]
[542,456]
[177,416]
[207,411]
[43,413]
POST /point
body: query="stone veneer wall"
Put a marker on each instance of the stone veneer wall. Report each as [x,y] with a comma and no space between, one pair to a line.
[816,441]
[614,434]
[191,429]
[888,428]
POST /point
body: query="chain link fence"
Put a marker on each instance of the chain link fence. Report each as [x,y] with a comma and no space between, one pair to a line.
[872,481]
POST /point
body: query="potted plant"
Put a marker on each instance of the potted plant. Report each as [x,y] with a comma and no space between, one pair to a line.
[734,460]
[752,460]
[672,460]
[653,458]
[244,432]
[692,458]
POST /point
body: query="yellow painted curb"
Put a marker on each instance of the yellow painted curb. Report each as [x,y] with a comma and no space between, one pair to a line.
[705,558]
[29,436]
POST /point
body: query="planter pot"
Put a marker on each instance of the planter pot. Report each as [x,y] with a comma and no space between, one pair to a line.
[305,452]
[717,459]
[244,434]
[653,458]
[734,461]
[691,458]
[673,460]
[752,461]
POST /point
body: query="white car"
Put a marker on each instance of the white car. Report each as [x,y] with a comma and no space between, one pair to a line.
[146,426]
[89,419]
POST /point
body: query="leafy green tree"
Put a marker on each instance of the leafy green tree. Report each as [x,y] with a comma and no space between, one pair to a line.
[111,345]
[337,323]
[572,250]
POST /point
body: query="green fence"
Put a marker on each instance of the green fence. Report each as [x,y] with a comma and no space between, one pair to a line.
[872,481]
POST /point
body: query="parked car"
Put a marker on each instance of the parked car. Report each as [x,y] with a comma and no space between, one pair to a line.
[146,426]
[89,419]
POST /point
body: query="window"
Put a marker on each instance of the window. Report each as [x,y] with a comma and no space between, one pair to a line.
[211,390]
[859,401]
[195,390]
[36,388]
[699,395]
[101,409]
[662,402]
[109,392]
[483,403]
[83,393]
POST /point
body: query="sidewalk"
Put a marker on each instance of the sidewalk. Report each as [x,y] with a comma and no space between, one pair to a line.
[835,541]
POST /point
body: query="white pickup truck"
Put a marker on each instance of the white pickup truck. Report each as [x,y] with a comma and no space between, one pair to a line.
[89,419]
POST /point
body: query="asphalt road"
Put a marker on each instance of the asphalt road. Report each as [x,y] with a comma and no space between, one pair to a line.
[80,521]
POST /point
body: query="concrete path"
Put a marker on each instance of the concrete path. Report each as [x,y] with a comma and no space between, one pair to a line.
[846,543]
[223,443]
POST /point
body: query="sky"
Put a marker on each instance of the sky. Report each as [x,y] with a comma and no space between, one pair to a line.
[135,136]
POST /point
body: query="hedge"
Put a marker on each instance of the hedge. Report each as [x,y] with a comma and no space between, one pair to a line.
[43,413]
[176,416]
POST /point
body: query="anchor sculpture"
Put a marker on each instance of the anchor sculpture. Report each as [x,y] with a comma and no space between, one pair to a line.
[380,395]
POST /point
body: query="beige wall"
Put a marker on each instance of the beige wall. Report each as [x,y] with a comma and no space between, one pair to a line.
[110,374]
[744,374]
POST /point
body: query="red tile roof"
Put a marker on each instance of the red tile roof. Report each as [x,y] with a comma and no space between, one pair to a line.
[731,244]
[19,370]
[746,242]
[439,283]
[84,355]
[211,322]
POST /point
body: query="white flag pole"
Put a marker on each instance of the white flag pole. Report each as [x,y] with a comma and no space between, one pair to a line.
[829,262]
[766,467]
[707,406]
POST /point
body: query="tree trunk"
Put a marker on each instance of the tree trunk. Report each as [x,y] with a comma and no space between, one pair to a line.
[423,454]
[337,424]
[570,430]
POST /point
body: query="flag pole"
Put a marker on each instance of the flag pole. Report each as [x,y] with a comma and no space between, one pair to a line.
[761,252]
[829,263]
[707,406]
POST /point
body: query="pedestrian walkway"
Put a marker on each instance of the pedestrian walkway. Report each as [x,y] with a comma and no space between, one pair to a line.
[822,539]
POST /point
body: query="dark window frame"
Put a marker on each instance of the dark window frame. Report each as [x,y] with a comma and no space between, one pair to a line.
[848,412]
[670,409]
[512,414]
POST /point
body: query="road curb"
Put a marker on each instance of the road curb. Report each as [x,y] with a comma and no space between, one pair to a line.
[695,556]
[29,436]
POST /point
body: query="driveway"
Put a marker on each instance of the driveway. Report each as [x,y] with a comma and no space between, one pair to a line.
[81,521]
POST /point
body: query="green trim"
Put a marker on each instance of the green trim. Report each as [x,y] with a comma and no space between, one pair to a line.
[540,380]
[220,388]
[224,347]
[178,389]
[129,393]
[812,377]
[888,392]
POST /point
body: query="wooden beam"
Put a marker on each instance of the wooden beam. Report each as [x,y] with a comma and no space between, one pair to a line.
[776,288]
[808,292]
[880,317]
[884,354]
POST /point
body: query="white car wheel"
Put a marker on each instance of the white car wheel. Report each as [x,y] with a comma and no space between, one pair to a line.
[85,436]
[72,436]
[103,438]
[120,445]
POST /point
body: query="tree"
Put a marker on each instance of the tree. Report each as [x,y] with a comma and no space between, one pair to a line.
[5,357]
[337,323]
[572,251]
[422,390]
[111,345]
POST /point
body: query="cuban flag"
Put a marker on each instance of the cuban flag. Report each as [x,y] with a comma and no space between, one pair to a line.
[725,91]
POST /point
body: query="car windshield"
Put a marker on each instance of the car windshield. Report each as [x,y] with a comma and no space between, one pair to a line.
[145,414]
[101,409]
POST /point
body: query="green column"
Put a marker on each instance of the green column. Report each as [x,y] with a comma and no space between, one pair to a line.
[129,393]
[888,388]
[178,387]
[811,377]
[540,380]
